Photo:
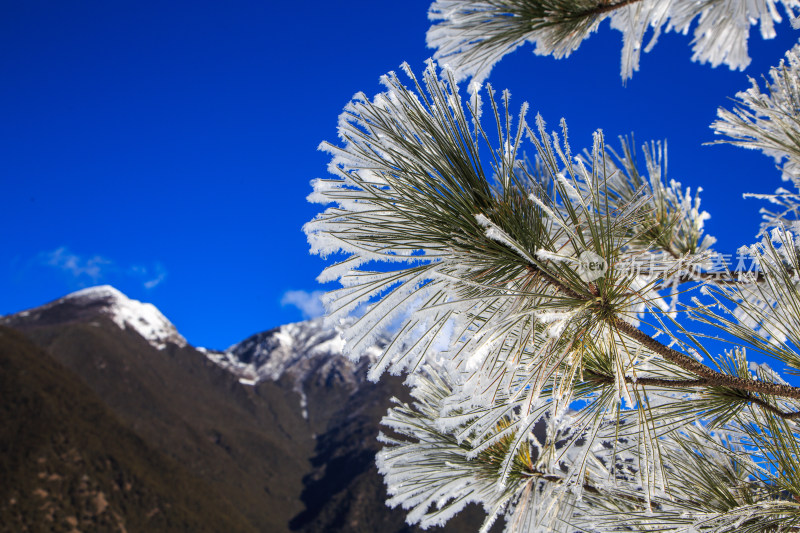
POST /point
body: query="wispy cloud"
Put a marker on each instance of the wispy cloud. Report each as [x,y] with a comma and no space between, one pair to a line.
[83,268]
[309,303]
[152,276]
[92,269]
[155,281]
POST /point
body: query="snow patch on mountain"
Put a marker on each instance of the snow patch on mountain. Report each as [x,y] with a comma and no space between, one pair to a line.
[302,351]
[143,318]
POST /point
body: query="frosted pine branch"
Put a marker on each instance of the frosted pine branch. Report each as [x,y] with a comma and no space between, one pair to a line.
[768,119]
[471,36]
[530,339]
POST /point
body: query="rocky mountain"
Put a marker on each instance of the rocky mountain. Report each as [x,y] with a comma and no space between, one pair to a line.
[250,444]
[67,463]
[279,430]
[104,300]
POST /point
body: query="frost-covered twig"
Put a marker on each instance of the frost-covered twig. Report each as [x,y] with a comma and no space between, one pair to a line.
[470,36]
[555,383]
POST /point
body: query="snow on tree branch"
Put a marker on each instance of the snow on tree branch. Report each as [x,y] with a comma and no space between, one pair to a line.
[769,120]
[527,300]
[470,36]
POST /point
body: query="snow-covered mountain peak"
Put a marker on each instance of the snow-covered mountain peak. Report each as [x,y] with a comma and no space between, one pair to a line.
[144,318]
[301,350]
[98,292]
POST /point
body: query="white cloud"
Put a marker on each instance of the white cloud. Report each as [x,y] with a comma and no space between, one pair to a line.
[90,270]
[153,276]
[155,281]
[83,268]
[309,303]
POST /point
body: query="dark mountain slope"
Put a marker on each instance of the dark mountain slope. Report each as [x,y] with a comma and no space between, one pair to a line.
[68,464]
[250,443]
[343,491]
[281,425]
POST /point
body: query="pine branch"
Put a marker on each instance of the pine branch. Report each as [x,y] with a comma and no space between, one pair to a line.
[604,6]
[769,120]
[690,384]
[715,379]
[712,377]
[488,276]
[472,35]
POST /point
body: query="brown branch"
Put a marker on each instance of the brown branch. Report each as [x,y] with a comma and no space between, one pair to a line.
[669,383]
[626,498]
[726,278]
[605,7]
[551,15]
[695,384]
[712,377]
[774,410]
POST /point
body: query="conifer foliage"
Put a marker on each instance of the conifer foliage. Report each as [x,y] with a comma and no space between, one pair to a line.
[540,299]
[472,35]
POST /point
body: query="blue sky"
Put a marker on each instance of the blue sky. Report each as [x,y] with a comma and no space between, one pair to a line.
[166,148]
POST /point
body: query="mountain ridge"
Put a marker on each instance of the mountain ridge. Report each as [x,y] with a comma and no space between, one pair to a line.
[281,423]
[144,318]
[68,462]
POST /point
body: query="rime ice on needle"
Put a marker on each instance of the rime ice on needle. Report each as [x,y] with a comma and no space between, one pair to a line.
[489,310]
[558,400]
[470,36]
[766,120]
